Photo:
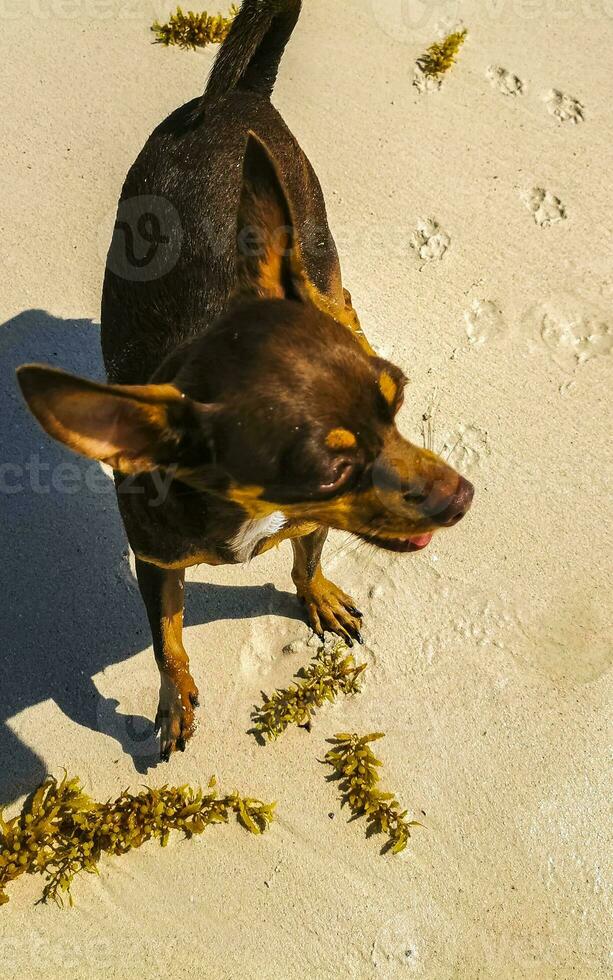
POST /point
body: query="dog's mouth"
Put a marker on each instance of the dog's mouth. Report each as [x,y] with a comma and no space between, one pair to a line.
[403,545]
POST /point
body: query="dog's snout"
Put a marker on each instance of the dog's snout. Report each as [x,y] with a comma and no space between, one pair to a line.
[444,501]
[458,505]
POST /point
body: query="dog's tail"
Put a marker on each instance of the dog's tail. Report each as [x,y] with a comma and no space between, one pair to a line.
[249,57]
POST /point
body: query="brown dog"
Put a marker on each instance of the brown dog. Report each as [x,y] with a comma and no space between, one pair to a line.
[238,368]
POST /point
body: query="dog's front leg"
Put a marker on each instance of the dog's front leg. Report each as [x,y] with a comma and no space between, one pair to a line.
[328,607]
[163,593]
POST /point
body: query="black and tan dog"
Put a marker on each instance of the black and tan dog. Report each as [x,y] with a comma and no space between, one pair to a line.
[238,368]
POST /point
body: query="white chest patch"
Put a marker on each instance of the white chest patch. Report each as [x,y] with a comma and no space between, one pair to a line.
[252,532]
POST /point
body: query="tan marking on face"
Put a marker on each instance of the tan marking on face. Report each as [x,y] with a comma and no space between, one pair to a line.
[340,439]
[388,387]
[381,509]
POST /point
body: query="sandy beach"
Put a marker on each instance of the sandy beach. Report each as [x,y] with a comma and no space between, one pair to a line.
[475,229]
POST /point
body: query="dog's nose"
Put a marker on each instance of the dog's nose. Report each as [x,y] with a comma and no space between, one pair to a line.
[458,505]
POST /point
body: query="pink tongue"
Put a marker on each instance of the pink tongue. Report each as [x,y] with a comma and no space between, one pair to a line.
[421,540]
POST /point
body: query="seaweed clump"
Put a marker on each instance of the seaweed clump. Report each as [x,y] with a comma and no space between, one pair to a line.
[61,832]
[190,30]
[332,671]
[441,55]
[432,66]
[355,765]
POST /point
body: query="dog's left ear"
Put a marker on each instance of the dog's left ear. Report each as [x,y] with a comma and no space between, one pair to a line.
[134,429]
[269,264]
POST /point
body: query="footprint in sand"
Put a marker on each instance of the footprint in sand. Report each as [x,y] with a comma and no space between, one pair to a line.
[484,322]
[395,948]
[417,942]
[545,208]
[494,623]
[465,448]
[571,330]
[563,107]
[426,83]
[505,81]
[429,240]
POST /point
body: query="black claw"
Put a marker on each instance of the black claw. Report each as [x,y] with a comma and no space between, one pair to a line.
[348,640]
[181,744]
[359,638]
[321,637]
[356,612]
[165,754]
[195,700]
[353,631]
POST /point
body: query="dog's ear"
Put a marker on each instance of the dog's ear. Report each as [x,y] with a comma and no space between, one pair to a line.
[133,429]
[269,265]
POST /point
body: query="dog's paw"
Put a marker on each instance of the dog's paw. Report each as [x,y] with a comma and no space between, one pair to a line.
[176,719]
[330,609]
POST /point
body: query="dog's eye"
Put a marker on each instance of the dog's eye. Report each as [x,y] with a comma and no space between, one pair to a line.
[342,475]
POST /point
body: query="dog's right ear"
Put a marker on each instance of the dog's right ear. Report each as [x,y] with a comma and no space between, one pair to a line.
[132,428]
[269,265]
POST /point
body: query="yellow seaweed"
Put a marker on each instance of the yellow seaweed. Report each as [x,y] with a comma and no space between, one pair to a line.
[441,55]
[355,766]
[61,832]
[330,673]
[190,30]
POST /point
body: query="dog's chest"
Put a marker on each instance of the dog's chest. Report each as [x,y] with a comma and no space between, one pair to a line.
[186,529]
[253,533]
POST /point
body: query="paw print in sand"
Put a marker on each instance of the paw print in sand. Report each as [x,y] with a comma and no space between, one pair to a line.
[484,322]
[505,81]
[573,331]
[465,448]
[563,107]
[545,208]
[429,241]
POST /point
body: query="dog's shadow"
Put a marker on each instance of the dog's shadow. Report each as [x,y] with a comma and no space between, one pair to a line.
[67,610]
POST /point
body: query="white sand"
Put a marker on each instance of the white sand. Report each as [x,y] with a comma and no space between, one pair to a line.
[488,651]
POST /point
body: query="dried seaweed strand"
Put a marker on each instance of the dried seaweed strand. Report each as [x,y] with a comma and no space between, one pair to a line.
[61,832]
[356,766]
[190,30]
[441,55]
[330,673]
